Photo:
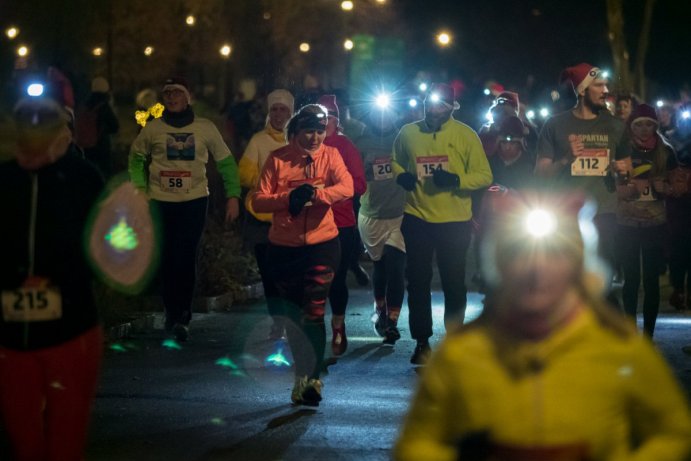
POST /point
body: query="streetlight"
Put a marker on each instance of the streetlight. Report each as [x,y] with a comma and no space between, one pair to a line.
[148,51]
[98,51]
[225,50]
[12,32]
[22,51]
[347,5]
[444,38]
[348,44]
[190,20]
[304,47]
[381,2]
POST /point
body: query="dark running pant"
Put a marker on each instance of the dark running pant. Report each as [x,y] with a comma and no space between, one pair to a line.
[338,297]
[388,278]
[680,261]
[273,300]
[183,223]
[642,246]
[449,242]
[303,276]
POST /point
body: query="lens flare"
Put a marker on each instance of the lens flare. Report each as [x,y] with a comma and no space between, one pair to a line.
[540,223]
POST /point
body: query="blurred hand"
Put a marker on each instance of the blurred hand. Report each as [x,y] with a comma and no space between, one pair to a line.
[232,209]
[407,181]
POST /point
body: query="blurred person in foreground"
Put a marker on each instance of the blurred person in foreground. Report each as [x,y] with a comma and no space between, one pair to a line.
[299,184]
[256,227]
[51,341]
[176,148]
[549,370]
[440,161]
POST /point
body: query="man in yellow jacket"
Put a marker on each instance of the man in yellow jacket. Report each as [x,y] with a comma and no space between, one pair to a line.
[440,161]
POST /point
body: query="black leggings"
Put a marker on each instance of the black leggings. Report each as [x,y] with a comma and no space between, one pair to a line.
[183,223]
[303,276]
[642,246]
[388,278]
[338,297]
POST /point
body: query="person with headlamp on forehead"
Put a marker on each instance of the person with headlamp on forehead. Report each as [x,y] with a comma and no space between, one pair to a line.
[575,149]
[549,371]
[380,217]
[299,184]
[175,149]
[51,340]
[440,161]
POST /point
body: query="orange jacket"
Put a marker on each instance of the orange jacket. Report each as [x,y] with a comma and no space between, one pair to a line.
[287,168]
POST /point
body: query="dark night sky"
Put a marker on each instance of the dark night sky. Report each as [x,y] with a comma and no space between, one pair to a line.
[505,41]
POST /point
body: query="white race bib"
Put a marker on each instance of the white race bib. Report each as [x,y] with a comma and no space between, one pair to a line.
[179,182]
[645,189]
[425,166]
[382,168]
[36,301]
[591,162]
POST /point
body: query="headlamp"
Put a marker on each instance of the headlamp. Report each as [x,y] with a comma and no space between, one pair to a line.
[382,101]
[35,90]
[544,112]
[434,97]
[412,102]
[540,223]
[422,87]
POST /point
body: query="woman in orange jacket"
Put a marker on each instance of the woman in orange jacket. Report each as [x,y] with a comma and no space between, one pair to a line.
[299,183]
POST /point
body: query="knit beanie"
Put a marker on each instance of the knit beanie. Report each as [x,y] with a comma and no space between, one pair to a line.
[178,83]
[99,85]
[281,97]
[643,112]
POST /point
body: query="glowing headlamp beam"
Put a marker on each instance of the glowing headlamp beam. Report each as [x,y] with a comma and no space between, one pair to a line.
[540,223]
[382,101]
[34,90]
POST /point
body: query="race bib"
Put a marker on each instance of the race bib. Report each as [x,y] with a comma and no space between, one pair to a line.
[381,168]
[178,182]
[645,190]
[591,162]
[34,301]
[426,165]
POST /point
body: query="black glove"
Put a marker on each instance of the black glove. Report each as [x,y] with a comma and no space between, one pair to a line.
[298,197]
[406,180]
[443,178]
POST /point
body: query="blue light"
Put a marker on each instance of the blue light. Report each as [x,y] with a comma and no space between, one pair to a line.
[412,102]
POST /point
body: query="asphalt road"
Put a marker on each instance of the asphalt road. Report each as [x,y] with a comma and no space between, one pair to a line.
[217,397]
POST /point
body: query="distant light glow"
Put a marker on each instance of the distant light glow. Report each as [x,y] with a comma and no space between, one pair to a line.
[686,114]
[422,87]
[660,103]
[122,237]
[544,112]
[486,92]
[190,20]
[347,5]
[444,39]
[11,32]
[22,51]
[225,50]
[434,97]
[35,89]
[540,223]
[412,102]
[530,114]
[348,44]
[304,47]
[98,51]
[148,51]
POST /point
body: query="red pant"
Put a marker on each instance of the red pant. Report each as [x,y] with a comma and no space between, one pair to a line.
[46,395]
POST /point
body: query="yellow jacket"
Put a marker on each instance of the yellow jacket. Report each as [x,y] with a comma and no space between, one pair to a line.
[583,387]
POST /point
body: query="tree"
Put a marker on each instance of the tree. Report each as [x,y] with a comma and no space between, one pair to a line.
[629,79]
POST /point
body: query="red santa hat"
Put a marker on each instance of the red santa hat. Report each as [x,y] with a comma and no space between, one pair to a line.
[329,101]
[580,76]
